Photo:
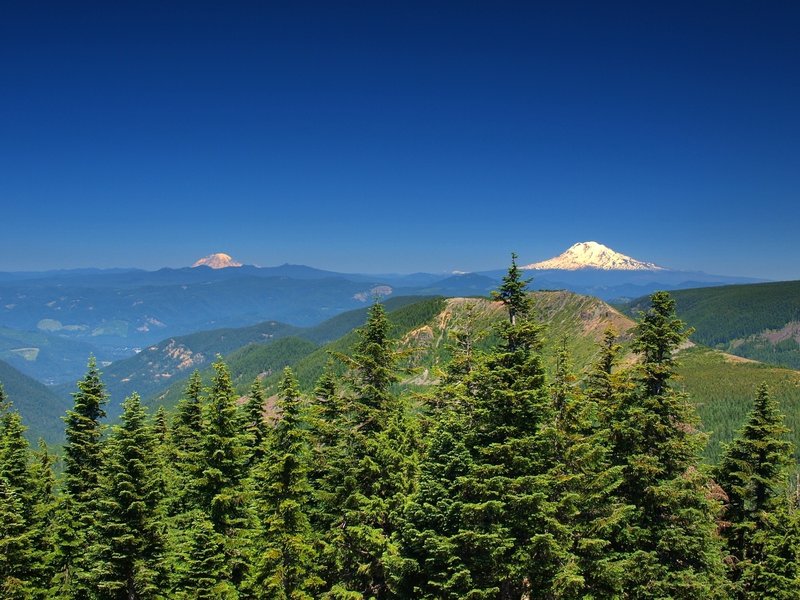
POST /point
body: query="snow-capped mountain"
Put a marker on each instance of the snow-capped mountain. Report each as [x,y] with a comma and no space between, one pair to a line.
[220,260]
[591,255]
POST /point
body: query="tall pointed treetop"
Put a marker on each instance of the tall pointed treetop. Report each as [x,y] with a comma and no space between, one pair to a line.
[512,292]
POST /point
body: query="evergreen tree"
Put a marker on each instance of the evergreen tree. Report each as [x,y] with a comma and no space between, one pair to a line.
[670,542]
[432,566]
[604,385]
[223,470]
[161,427]
[187,448]
[492,531]
[187,424]
[584,489]
[255,427]
[20,562]
[76,518]
[371,470]
[15,539]
[285,563]
[41,512]
[761,534]
[128,554]
[326,415]
[83,449]
[202,572]
[513,293]
[14,452]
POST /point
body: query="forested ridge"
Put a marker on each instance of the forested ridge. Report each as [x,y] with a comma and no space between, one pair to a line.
[498,482]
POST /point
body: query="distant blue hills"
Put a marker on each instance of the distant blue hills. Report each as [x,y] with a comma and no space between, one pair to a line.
[51,320]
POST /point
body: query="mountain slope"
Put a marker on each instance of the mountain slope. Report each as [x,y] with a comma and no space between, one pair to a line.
[220,260]
[47,357]
[721,386]
[303,353]
[591,255]
[757,321]
[41,409]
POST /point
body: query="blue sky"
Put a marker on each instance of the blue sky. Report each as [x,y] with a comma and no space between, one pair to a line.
[400,136]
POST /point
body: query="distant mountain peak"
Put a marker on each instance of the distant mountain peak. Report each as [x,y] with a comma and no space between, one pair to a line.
[591,255]
[220,260]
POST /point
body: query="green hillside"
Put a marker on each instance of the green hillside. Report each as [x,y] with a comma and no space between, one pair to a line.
[758,321]
[40,408]
[303,352]
[723,388]
[423,330]
[48,358]
[153,370]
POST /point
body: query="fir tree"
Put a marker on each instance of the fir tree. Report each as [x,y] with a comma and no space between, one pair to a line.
[128,554]
[500,538]
[187,425]
[513,293]
[371,470]
[761,536]
[255,427]
[82,452]
[202,572]
[41,513]
[21,561]
[326,415]
[223,470]
[76,518]
[187,448]
[432,565]
[285,563]
[15,539]
[670,543]
[584,489]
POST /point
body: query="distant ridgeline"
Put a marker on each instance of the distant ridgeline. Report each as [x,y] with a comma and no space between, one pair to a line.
[530,446]
[51,321]
[757,321]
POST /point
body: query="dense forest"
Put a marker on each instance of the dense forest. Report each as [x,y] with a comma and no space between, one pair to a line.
[500,482]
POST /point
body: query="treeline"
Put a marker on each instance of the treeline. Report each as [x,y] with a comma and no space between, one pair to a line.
[499,484]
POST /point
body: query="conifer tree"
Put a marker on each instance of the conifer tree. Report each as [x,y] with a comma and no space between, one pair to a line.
[82,452]
[372,468]
[584,490]
[670,542]
[506,539]
[161,427]
[76,518]
[761,534]
[513,292]
[15,539]
[14,452]
[21,559]
[41,511]
[285,562]
[508,516]
[255,427]
[202,572]
[186,447]
[223,470]
[127,557]
[604,385]
[187,424]
[432,565]
[326,415]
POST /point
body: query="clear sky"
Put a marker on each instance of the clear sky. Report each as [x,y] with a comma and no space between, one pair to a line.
[385,136]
